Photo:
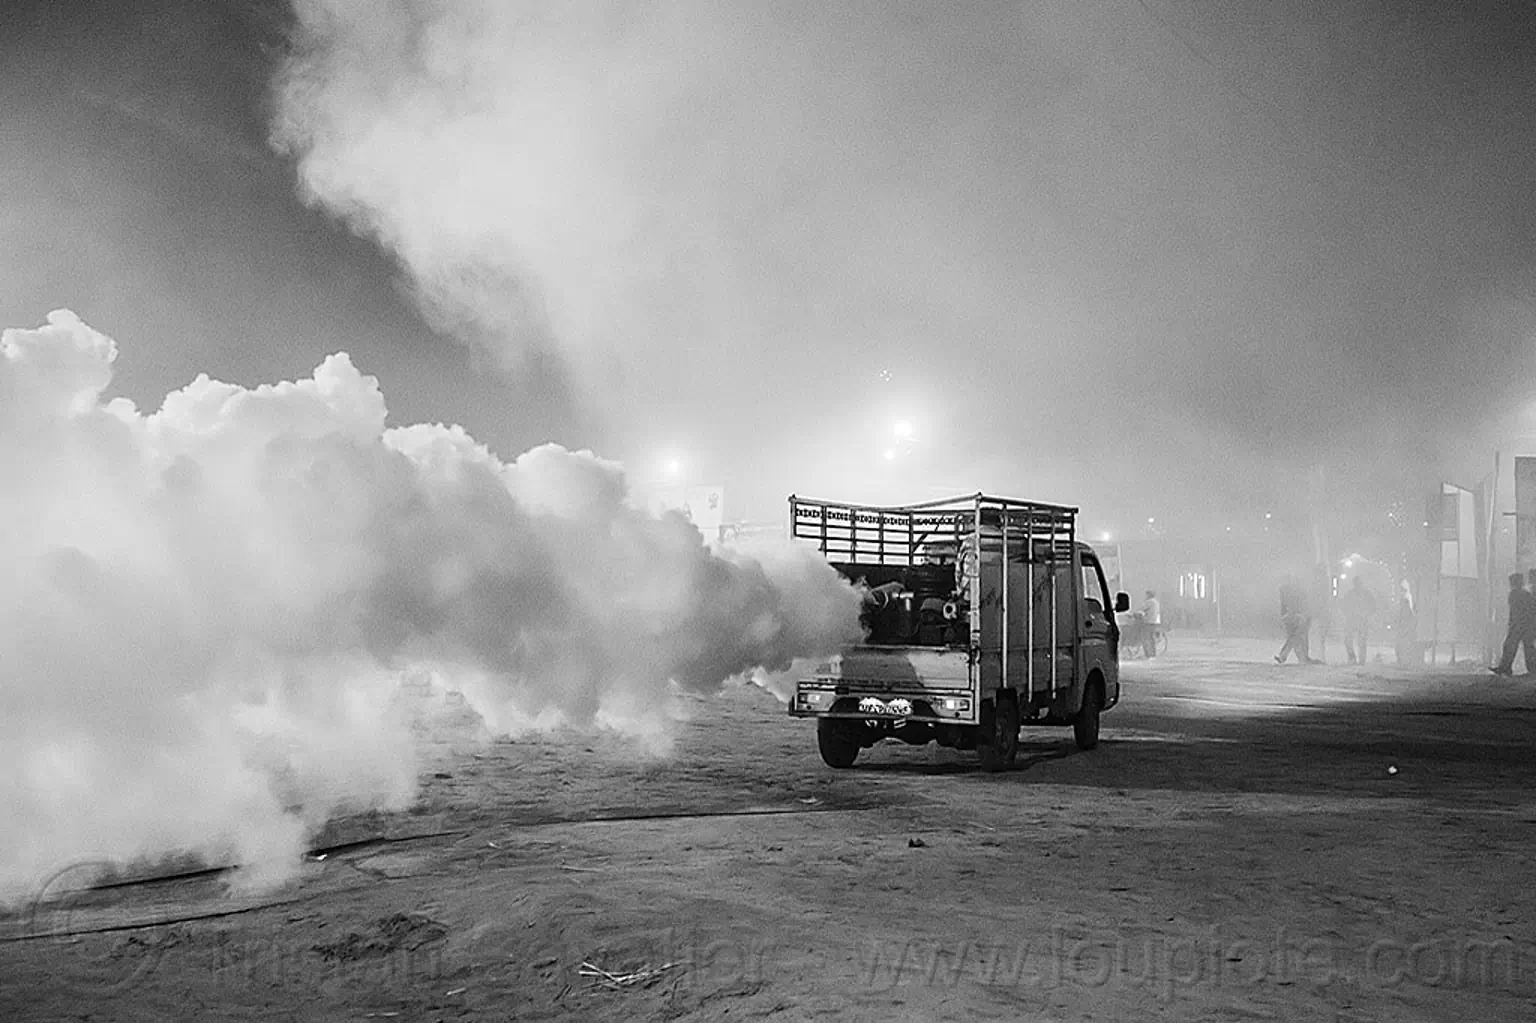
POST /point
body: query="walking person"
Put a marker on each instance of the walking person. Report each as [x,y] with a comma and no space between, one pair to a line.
[1522,628]
[1297,619]
[1530,633]
[1359,605]
[1151,622]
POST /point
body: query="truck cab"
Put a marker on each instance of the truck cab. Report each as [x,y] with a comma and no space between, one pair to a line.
[982,614]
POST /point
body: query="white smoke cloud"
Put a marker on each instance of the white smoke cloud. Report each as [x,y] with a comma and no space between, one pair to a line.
[475,140]
[688,178]
[210,607]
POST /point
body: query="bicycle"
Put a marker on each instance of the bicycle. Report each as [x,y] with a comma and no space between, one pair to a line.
[1133,643]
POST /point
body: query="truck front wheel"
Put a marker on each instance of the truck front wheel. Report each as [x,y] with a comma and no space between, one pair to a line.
[997,745]
[838,748]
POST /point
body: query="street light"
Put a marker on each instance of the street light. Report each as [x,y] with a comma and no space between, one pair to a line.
[904,440]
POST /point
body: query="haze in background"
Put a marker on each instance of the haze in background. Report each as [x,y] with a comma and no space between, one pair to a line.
[1155,258]
[1152,258]
[209,609]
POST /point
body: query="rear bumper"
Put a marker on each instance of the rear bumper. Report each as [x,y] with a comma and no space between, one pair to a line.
[959,708]
[917,719]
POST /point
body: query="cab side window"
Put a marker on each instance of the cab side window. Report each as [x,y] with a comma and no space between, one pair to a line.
[1095,592]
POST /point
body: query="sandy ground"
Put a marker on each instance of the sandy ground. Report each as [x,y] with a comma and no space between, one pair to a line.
[1238,848]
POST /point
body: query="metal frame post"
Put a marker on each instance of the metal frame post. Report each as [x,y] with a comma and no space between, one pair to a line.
[1029,562]
[975,612]
[1006,620]
[1053,609]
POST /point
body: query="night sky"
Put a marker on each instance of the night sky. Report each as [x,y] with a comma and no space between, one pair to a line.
[1155,259]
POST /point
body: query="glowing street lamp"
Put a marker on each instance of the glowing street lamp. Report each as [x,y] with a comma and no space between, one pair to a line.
[902,441]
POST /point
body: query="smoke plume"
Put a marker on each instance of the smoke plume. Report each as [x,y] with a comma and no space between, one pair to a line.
[473,141]
[211,606]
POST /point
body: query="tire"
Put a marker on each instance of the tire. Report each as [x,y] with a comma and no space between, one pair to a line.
[998,742]
[838,748]
[1085,726]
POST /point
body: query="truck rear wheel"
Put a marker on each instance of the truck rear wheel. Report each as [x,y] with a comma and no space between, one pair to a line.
[1085,727]
[997,745]
[838,748]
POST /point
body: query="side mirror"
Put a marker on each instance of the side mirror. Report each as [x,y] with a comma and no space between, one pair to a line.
[1122,602]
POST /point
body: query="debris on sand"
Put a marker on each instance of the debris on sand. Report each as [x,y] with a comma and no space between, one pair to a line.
[619,981]
[388,934]
[916,843]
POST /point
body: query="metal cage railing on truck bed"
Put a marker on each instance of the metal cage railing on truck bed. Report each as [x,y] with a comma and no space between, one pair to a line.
[934,532]
[915,534]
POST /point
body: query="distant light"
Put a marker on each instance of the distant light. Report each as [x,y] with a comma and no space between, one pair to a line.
[1151,521]
[890,454]
[674,466]
[1229,529]
[1104,537]
[902,428]
[1267,515]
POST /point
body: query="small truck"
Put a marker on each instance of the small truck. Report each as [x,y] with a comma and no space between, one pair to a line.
[982,614]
